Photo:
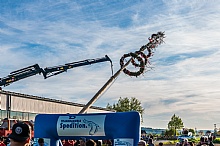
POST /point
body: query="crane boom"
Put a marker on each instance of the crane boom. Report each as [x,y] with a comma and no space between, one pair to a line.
[51,71]
[48,71]
[20,74]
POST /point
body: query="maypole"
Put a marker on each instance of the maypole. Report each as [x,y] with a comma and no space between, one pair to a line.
[137,56]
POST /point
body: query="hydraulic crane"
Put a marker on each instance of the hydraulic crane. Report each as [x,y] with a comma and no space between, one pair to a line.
[48,71]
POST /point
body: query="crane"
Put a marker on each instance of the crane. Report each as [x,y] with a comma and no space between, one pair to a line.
[48,71]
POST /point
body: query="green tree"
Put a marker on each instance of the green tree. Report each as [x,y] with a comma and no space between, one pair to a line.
[169,132]
[175,123]
[126,104]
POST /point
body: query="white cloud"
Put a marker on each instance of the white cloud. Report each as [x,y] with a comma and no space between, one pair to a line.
[186,68]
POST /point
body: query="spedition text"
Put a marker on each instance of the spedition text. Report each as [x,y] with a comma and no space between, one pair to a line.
[72,125]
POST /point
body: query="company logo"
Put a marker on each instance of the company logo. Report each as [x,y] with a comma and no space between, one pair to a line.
[93,126]
[18,130]
[81,125]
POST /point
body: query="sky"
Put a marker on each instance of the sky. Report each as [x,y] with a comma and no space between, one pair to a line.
[185,75]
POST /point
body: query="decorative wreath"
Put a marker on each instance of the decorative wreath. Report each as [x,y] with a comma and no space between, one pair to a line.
[154,41]
[133,56]
[143,56]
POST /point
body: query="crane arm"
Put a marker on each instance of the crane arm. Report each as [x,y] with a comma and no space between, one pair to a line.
[51,71]
[48,71]
[20,74]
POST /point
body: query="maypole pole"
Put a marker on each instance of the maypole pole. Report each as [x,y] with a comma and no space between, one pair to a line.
[154,41]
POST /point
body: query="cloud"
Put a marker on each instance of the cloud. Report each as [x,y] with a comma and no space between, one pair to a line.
[184,78]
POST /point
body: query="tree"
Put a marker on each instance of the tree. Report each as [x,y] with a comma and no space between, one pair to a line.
[169,132]
[175,123]
[126,104]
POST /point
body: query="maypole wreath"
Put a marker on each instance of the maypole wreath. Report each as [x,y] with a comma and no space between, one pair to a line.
[140,56]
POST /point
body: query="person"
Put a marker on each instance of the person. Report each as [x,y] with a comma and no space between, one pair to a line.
[77,143]
[68,142]
[144,135]
[178,144]
[107,142]
[185,142]
[191,143]
[90,142]
[150,142]
[98,142]
[40,142]
[7,140]
[181,142]
[2,141]
[142,143]
[160,144]
[71,142]
[82,141]
[21,135]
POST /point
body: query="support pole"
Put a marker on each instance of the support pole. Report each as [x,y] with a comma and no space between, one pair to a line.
[99,93]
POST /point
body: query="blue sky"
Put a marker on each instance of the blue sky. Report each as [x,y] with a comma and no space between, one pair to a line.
[185,78]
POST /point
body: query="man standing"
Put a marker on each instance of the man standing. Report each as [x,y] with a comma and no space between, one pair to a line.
[40,142]
[20,135]
[82,141]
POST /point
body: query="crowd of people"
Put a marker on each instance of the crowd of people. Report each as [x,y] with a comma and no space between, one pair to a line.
[84,142]
[21,136]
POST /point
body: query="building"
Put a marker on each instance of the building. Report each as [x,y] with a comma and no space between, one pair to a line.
[26,107]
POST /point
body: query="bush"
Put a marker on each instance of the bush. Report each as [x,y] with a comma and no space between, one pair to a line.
[217,140]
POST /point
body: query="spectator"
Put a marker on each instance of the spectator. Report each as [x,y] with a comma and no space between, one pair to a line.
[144,135]
[20,135]
[178,144]
[7,140]
[76,143]
[191,143]
[90,142]
[71,142]
[40,142]
[150,142]
[2,141]
[142,143]
[185,142]
[160,144]
[98,142]
[67,142]
[107,142]
[82,141]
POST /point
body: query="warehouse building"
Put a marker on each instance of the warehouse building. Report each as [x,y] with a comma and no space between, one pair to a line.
[26,107]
